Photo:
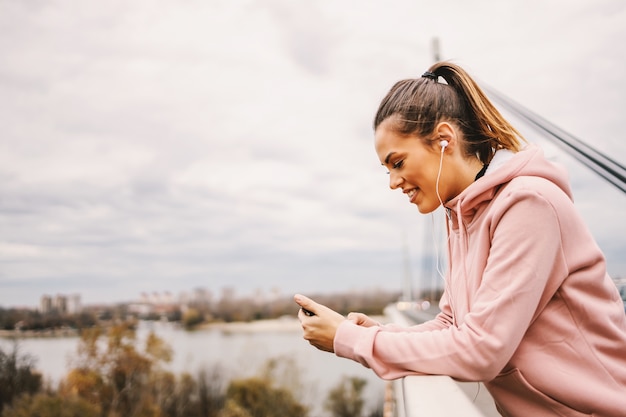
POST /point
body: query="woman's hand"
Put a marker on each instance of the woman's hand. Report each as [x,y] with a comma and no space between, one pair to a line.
[361,319]
[320,328]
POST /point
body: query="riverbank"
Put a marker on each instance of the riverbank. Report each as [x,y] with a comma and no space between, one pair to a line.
[45,333]
[281,324]
[270,325]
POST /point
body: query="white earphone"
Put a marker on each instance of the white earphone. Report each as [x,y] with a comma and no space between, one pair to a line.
[443,143]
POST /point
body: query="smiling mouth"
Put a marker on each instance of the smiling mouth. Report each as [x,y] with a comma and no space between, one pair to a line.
[411,193]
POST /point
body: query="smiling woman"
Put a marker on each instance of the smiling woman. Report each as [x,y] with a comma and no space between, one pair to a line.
[524,272]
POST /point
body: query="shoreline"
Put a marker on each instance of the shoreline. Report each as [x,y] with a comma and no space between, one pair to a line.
[280,324]
[46,333]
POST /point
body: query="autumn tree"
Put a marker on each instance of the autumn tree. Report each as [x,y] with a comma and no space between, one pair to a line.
[114,373]
[259,397]
[47,405]
[211,385]
[192,317]
[16,376]
[183,396]
[283,372]
[346,399]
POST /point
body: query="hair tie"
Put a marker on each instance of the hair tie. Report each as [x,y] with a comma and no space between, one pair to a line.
[430,76]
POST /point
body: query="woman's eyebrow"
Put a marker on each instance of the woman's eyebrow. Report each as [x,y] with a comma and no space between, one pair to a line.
[388,156]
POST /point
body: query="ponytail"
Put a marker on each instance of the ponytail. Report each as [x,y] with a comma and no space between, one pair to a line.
[418,105]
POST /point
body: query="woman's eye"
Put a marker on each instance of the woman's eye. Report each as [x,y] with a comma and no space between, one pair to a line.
[398,164]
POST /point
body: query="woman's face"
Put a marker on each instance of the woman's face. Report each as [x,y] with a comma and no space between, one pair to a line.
[413,165]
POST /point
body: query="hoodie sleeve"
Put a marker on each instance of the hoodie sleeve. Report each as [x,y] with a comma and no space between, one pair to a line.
[524,260]
[440,321]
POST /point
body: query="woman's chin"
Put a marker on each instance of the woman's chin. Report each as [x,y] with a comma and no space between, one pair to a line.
[426,208]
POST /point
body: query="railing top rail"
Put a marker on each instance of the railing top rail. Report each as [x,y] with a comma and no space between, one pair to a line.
[437,395]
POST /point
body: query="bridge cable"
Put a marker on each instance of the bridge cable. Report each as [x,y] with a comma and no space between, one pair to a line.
[604,166]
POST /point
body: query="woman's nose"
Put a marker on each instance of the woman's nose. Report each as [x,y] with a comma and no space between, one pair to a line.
[394,180]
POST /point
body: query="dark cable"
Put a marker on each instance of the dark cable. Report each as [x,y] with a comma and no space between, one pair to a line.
[604,166]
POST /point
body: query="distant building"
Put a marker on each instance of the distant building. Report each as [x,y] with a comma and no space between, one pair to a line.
[45,304]
[73,304]
[154,298]
[167,298]
[60,303]
[201,296]
[144,298]
[153,303]
[140,309]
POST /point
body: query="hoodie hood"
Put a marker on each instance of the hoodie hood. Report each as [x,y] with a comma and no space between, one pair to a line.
[467,207]
[504,167]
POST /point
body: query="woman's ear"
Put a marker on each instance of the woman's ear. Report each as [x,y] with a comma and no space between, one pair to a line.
[447,136]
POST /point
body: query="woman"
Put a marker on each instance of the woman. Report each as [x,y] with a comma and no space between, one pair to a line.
[528,306]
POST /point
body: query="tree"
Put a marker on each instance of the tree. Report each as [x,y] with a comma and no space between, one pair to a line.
[16,376]
[283,371]
[118,377]
[191,318]
[45,405]
[258,397]
[210,392]
[346,399]
[232,409]
[176,396]
[129,382]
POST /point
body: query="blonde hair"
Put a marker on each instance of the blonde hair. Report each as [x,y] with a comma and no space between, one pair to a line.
[418,105]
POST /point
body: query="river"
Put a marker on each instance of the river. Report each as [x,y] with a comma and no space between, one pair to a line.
[239,349]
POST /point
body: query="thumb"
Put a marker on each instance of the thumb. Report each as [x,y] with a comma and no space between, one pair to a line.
[362,320]
[353,317]
[304,302]
[358,318]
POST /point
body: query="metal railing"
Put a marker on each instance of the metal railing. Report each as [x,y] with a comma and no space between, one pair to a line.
[436,395]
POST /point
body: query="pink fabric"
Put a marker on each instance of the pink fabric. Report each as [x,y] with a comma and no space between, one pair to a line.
[528,306]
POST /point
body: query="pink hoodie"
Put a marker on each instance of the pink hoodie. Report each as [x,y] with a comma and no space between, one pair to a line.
[528,307]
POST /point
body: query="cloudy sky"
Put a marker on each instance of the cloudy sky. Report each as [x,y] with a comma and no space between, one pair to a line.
[168,145]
